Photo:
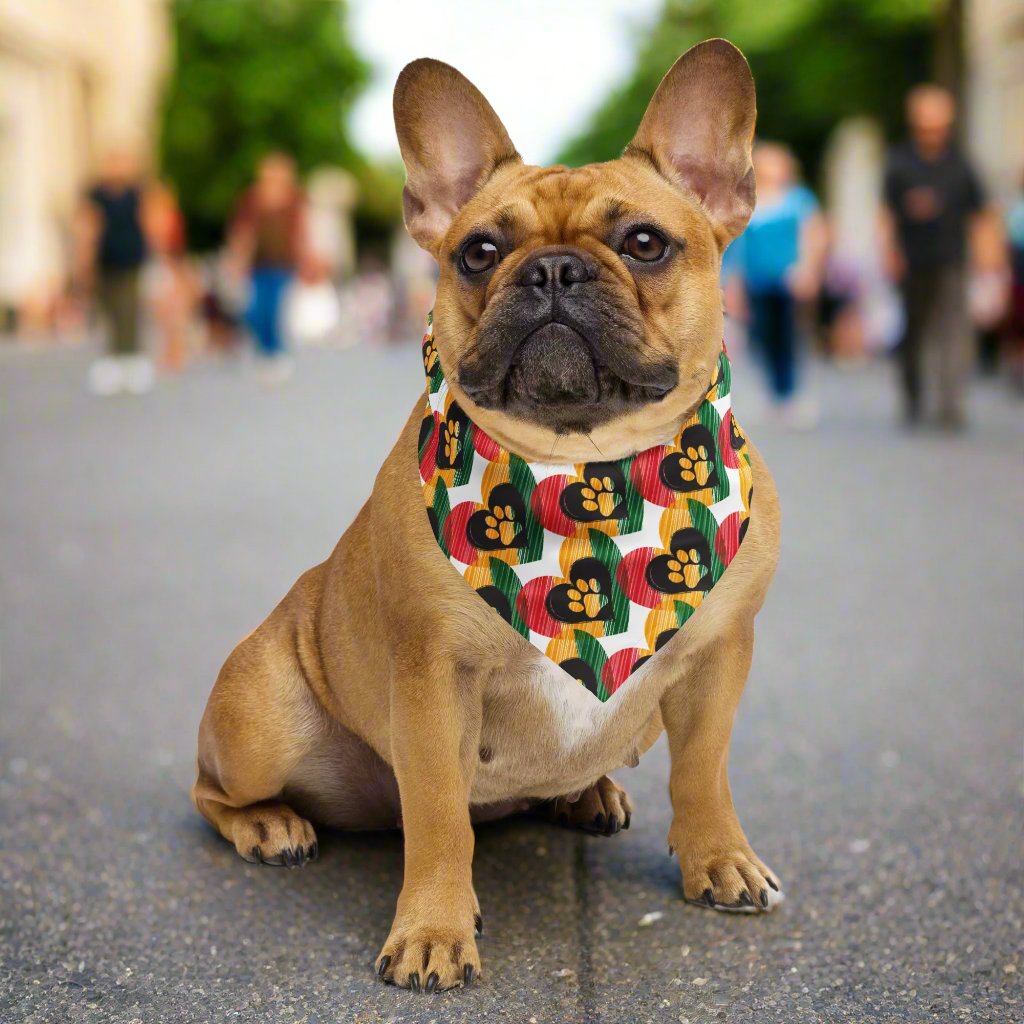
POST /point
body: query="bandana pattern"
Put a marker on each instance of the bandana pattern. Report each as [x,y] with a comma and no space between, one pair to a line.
[597,564]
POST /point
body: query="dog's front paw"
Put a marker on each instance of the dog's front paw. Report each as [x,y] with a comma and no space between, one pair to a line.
[725,875]
[431,950]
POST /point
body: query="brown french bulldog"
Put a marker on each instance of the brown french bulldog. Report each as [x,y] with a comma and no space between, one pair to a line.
[578,310]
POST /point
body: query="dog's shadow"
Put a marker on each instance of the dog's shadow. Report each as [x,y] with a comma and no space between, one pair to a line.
[525,872]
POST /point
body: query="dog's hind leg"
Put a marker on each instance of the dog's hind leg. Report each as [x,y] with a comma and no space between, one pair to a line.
[260,722]
[601,809]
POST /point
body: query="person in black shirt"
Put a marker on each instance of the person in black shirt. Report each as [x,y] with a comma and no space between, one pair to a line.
[114,251]
[932,196]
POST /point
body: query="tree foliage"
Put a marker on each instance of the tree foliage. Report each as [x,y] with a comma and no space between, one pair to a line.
[252,76]
[815,62]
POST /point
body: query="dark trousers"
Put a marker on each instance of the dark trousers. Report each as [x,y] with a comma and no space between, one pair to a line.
[117,292]
[773,331]
[935,353]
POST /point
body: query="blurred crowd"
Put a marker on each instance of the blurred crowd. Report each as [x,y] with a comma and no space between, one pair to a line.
[940,284]
[944,267]
[278,281]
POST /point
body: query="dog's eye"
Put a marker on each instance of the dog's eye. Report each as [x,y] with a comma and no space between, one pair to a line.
[479,255]
[644,245]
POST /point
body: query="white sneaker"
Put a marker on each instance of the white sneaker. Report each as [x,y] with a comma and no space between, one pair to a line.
[273,373]
[799,413]
[106,377]
[138,375]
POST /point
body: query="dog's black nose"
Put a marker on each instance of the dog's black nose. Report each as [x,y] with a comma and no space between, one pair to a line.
[555,269]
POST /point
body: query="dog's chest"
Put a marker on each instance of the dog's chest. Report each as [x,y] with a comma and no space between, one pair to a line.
[545,735]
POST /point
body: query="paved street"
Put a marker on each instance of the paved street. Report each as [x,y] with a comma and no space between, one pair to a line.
[876,761]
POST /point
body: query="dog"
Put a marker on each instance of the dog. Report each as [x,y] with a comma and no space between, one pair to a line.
[578,317]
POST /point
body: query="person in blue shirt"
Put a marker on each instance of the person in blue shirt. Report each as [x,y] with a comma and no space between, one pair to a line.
[778,262]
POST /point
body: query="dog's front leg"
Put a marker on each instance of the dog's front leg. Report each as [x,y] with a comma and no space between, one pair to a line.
[719,867]
[435,730]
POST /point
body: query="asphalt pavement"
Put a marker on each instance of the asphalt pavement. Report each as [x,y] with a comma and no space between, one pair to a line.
[876,761]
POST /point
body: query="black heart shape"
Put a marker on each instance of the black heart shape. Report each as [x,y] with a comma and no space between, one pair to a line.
[672,465]
[497,600]
[571,498]
[581,670]
[583,569]
[658,569]
[736,436]
[426,429]
[504,495]
[455,416]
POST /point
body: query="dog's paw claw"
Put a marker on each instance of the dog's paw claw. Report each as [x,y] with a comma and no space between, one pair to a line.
[735,881]
[603,809]
[272,833]
[427,958]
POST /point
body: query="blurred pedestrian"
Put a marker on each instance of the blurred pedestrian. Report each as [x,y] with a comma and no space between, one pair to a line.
[778,262]
[267,243]
[175,287]
[1014,350]
[933,199]
[111,251]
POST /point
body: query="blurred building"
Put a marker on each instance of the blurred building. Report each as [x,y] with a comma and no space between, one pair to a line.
[994,36]
[76,78]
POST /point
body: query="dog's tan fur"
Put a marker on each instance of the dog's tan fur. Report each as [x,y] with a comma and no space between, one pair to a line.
[382,691]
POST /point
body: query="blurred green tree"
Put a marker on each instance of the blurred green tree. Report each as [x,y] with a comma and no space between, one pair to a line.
[252,76]
[815,62]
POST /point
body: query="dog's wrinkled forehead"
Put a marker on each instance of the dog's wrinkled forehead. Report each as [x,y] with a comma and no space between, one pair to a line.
[563,205]
[541,206]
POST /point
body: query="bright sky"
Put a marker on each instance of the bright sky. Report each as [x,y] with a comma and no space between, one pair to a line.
[543,64]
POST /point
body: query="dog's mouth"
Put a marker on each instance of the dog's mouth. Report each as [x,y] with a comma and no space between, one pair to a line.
[558,376]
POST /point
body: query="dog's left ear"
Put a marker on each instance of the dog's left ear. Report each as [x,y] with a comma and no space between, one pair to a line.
[451,142]
[698,131]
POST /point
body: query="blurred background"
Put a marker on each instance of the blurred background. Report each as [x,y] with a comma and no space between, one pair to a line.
[180,103]
[209,338]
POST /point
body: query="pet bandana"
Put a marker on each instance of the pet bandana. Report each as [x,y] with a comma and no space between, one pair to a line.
[597,564]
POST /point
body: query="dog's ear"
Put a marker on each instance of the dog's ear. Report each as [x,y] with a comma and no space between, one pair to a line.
[451,142]
[698,131]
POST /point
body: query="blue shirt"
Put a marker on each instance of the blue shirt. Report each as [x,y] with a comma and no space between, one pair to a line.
[770,246]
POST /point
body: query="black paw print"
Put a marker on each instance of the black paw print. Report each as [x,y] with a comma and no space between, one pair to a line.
[688,566]
[454,435]
[602,496]
[587,598]
[502,524]
[694,466]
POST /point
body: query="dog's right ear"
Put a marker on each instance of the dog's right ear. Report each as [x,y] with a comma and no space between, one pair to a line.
[451,142]
[698,131]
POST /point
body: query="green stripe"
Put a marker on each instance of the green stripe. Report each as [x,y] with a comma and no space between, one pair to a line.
[522,479]
[634,518]
[442,509]
[593,654]
[508,583]
[607,552]
[706,523]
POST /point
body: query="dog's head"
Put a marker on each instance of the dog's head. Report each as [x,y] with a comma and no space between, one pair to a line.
[579,309]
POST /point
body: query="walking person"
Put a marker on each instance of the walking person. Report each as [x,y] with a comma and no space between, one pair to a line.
[175,290]
[932,202]
[1014,334]
[112,249]
[268,243]
[778,263]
